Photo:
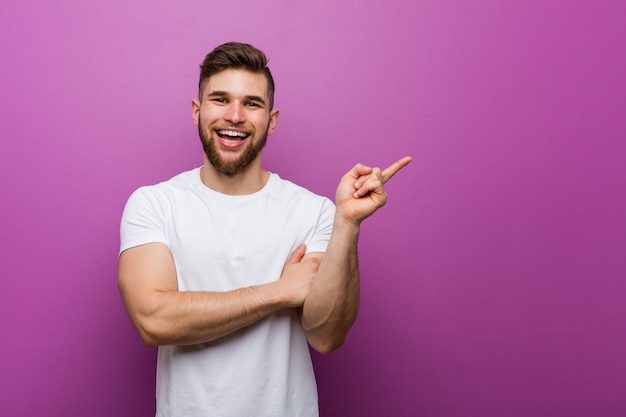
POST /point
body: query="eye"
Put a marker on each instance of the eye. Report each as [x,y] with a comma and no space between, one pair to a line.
[219,100]
[251,104]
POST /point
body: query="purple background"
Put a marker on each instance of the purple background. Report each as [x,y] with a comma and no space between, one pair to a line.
[494,281]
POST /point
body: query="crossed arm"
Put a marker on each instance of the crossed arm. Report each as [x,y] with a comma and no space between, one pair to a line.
[325,287]
[163,315]
[332,303]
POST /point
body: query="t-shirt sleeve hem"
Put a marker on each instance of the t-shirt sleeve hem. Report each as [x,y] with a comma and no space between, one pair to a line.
[137,242]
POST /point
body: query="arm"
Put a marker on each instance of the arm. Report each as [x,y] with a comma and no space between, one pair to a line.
[332,304]
[163,315]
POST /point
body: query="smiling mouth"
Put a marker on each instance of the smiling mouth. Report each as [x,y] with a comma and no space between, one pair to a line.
[232,134]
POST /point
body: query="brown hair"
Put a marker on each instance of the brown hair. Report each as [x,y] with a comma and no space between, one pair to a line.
[235,55]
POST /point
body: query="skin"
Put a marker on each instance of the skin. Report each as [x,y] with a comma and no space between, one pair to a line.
[234,100]
[323,286]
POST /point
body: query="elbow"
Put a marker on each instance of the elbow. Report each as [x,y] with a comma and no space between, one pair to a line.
[327,348]
[327,345]
[150,334]
[149,340]
[328,338]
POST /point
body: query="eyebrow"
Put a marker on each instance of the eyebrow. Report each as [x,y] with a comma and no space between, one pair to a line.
[219,93]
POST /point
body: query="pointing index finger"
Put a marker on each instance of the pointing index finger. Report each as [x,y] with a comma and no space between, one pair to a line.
[395,167]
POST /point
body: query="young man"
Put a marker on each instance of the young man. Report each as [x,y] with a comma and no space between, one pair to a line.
[230,269]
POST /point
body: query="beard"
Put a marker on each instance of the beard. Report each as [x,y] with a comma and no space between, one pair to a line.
[231,166]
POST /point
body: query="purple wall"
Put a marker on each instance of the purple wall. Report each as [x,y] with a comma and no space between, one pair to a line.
[494,281]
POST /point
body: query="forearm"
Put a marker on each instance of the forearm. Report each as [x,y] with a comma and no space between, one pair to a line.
[183,318]
[332,304]
[163,315]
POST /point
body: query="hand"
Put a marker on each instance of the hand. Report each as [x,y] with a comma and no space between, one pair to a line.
[298,276]
[361,192]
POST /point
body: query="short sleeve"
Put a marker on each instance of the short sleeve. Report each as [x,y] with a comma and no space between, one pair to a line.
[321,237]
[143,220]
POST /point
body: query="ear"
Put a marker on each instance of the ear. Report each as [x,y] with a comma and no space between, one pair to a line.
[273,120]
[195,110]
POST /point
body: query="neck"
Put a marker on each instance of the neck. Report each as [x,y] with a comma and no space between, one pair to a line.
[248,181]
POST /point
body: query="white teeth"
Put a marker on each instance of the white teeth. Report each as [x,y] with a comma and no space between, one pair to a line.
[232,134]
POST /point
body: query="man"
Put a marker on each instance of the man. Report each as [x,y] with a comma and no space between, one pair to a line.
[230,269]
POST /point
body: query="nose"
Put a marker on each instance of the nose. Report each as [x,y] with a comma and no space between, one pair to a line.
[234,113]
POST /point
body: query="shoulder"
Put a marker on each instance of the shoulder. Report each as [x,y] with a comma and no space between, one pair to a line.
[297,199]
[177,184]
[158,197]
[286,189]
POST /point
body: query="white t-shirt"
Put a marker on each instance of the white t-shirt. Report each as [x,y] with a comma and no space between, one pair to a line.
[221,243]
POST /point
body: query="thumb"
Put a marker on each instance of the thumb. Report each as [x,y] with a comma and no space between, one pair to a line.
[297,255]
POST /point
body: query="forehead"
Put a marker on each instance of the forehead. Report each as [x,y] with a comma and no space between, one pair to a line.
[237,82]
